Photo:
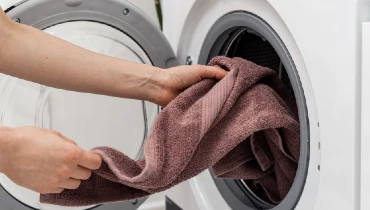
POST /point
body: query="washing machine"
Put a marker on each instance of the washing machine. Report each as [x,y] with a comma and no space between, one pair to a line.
[118,28]
[317,47]
[320,48]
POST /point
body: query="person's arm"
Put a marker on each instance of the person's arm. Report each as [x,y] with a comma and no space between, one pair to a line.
[36,56]
[5,139]
[51,161]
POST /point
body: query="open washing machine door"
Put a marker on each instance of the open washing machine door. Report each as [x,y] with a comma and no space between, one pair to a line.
[112,27]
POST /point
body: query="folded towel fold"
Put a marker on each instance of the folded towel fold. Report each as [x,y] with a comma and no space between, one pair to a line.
[244,126]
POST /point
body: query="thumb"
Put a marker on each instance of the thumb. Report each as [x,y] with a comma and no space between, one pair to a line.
[90,160]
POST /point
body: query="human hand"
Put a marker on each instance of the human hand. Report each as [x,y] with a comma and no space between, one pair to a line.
[175,80]
[46,161]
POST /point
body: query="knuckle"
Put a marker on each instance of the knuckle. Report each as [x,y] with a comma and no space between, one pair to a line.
[63,171]
[55,181]
[56,132]
[73,142]
[73,154]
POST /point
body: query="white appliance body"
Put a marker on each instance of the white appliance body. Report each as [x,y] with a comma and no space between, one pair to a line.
[324,40]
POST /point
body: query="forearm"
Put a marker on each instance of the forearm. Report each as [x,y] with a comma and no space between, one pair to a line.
[36,56]
[6,138]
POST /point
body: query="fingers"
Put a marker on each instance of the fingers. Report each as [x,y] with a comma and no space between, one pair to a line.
[90,160]
[74,181]
[55,191]
[71,184]
[81,173]
[211,72]
[86,159]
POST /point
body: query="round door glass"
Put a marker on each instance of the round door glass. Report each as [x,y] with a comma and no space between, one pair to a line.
[90,120]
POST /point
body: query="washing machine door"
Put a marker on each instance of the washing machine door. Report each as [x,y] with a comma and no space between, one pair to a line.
[111,27]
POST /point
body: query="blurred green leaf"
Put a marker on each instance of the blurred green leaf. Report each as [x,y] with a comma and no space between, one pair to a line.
[159,12]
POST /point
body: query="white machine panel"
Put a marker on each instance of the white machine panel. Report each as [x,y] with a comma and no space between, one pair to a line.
[365,118]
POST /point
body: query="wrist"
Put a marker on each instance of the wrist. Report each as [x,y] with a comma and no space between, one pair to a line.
[158,84]
[137,81]
[7,140]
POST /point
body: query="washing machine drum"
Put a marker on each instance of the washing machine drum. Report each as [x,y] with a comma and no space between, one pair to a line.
[113,28]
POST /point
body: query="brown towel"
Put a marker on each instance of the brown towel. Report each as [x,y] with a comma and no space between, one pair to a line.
[244,127]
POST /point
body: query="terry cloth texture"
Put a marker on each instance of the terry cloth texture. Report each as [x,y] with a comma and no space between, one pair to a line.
[244,126]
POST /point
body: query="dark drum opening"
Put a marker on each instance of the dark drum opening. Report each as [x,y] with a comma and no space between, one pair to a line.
[248,44]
